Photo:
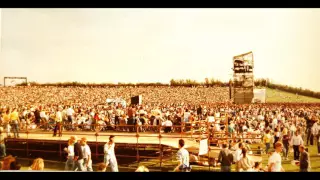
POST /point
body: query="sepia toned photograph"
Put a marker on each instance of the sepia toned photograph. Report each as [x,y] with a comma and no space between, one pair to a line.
[159,90]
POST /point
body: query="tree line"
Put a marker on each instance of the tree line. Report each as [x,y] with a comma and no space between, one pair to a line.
[183,83]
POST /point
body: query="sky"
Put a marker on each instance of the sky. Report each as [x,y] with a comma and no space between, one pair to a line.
[156,45]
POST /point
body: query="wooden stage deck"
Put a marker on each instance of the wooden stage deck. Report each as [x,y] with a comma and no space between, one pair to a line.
[120,137]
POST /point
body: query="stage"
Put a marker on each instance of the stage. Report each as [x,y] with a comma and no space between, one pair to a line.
[192,143]
[120,137]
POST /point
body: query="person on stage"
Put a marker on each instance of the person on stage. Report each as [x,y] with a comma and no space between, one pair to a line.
[58,126]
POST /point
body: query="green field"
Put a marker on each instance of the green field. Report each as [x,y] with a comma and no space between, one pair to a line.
[274,95]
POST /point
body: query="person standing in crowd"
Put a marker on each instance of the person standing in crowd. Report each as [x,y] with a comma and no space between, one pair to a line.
[86,155]
[304,162]
[78,154]
[58,120]
[274,162]
[310,121]
[109,155]
[286,144]
[37,165]
[314,131]
[225,158]
[44,119]
[199,112]
[117,117]
[167,125]
[293,129]
[37,117]
[245,164]
[15,121]
[2,144]
[70,113]
[238,155]
[6,122]
[267,140]
[186,116]
[70,160]
[131,117]
[183,158]
[274,123]
[276,136]
[296,141]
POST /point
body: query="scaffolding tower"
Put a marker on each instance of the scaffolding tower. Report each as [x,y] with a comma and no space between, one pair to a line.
[242,85]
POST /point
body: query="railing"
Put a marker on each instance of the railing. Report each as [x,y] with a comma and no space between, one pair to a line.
[190,131]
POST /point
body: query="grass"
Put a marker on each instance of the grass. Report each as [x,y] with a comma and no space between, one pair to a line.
[274,95]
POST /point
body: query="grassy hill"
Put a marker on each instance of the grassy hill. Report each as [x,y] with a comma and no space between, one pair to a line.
[274,95]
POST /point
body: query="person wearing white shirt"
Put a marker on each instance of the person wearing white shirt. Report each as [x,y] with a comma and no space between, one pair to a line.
[296,141]
[292,129]
[211,118]
[245,164]
[25,112]
[217,125]
[168,125]
[118,113]
[43,115]
[238,156]
[109,155]
[244,128]
[186,116]
[274,162]
[261,118]
[88,122]
[315,131]
[86,154]
[44,119]
[274,123]
[279,116]
[217,115]
[70,113]
[70,160]
[241,113]
[183,157]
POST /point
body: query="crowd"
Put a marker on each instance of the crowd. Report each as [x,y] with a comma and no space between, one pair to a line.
[245,164]
[173,108]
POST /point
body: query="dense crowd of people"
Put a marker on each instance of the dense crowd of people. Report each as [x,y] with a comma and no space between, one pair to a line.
[173,108]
